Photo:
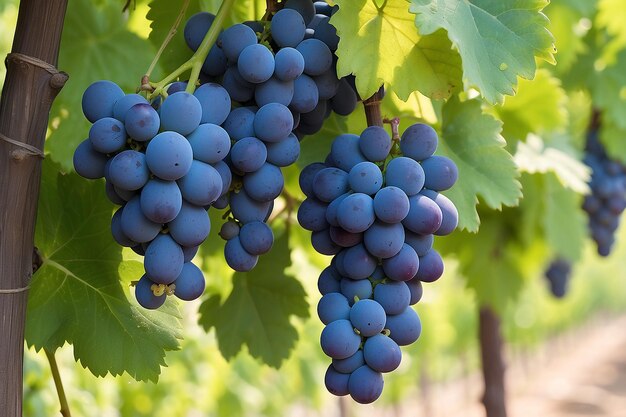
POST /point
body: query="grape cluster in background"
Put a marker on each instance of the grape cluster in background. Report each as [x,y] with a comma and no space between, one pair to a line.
[558,275]
[607,200]
[374,204]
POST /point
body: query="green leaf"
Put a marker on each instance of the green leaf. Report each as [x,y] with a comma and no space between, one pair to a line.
[472,139]
[609,91]
[539,106]
[533,157]
[565,25]
[80,295]
[613,138]
[96,45]
[611,16]
[241,11]
[258,311]
[381,46]
[498,41]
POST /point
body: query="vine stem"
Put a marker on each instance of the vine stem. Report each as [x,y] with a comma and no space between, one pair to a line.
[372,109]
[58,383]
[195,62]
[168,38]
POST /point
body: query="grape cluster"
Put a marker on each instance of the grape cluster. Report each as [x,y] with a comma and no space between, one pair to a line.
[281,77]
[558,275]
[375,205]
[164,168]
[607,200]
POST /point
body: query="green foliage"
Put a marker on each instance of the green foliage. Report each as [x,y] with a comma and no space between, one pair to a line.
[258,311]
[80,294]
[379,45]
[472,139]
[498,41]
[96,44]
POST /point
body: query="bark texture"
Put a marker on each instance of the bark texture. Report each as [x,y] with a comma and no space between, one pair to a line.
[491,345]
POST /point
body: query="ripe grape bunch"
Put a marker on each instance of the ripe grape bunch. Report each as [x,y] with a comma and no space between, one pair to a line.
[375,205]
[607,200]
[164,169]
[558,275]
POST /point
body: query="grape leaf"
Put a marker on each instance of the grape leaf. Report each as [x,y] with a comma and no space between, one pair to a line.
[257,313]
[472,139]
[96,44]
[609,91]
[538,106]
[80,294]
[566,28]
[611,16]
[498,41]
[381,46]
[241,10]
[612,137]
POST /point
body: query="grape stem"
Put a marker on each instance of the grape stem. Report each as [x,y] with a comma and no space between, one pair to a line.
[395,123]
[195,62]
[372,109]
[58,383]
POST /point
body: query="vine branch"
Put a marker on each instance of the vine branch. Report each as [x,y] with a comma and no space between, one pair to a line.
[58,383]
[372,108]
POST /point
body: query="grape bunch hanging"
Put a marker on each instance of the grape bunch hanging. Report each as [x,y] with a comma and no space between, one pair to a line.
[374,204]
[558,276]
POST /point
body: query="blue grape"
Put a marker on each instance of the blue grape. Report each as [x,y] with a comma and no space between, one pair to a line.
[235,39]
[328,281]
[420,243]
[368,317]
[112,195]
[285,152]
[450,215]
[355,288]
[312,121]
[312,215]
[287,28]
[365,177]
[136,225]
[129,170]
[356,213]
[405,174]
[245,209]
[190,283]
[333,206]
[163,260]
[142,122]
[216,62]
[327,84]
[337,262]
[181,112]
[384,240]
[345,99]
[333,306]
[125,195]
[405,328]
[381,353]
[336,383]
[229,230]
[289,64]
[99,98]
[441,173]
[222,202]
[238,89]
[144,295]
[248,154]
[345,151]
[160,200]
[321,7]
[169,155]
[256,238]
[117,232]
[215,103]
[402,266]
[393,296]
[265,184]
[418,141]
[202,185]
[177,86]
[224,170]
[351,364]
[305,94]
[274,91]
[108,135]
[322,243]
[240,123]
[343,238]
[338,339]
[424,217]
[558,275]
[88,162]
[305,180]
[327,33]
[375,143]
[330,183]
[189,252]
[304,7]
[123,104]
[317,57]
[365,385]
[273,122]
[237,257]
[391,205]
[191,227]
[431,267]
[196,29]
[361,263]
[417,290]
[256,63]
[210,143]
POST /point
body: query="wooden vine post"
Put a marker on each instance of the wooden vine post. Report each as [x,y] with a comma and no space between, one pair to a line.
[491,346]
[32,82]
